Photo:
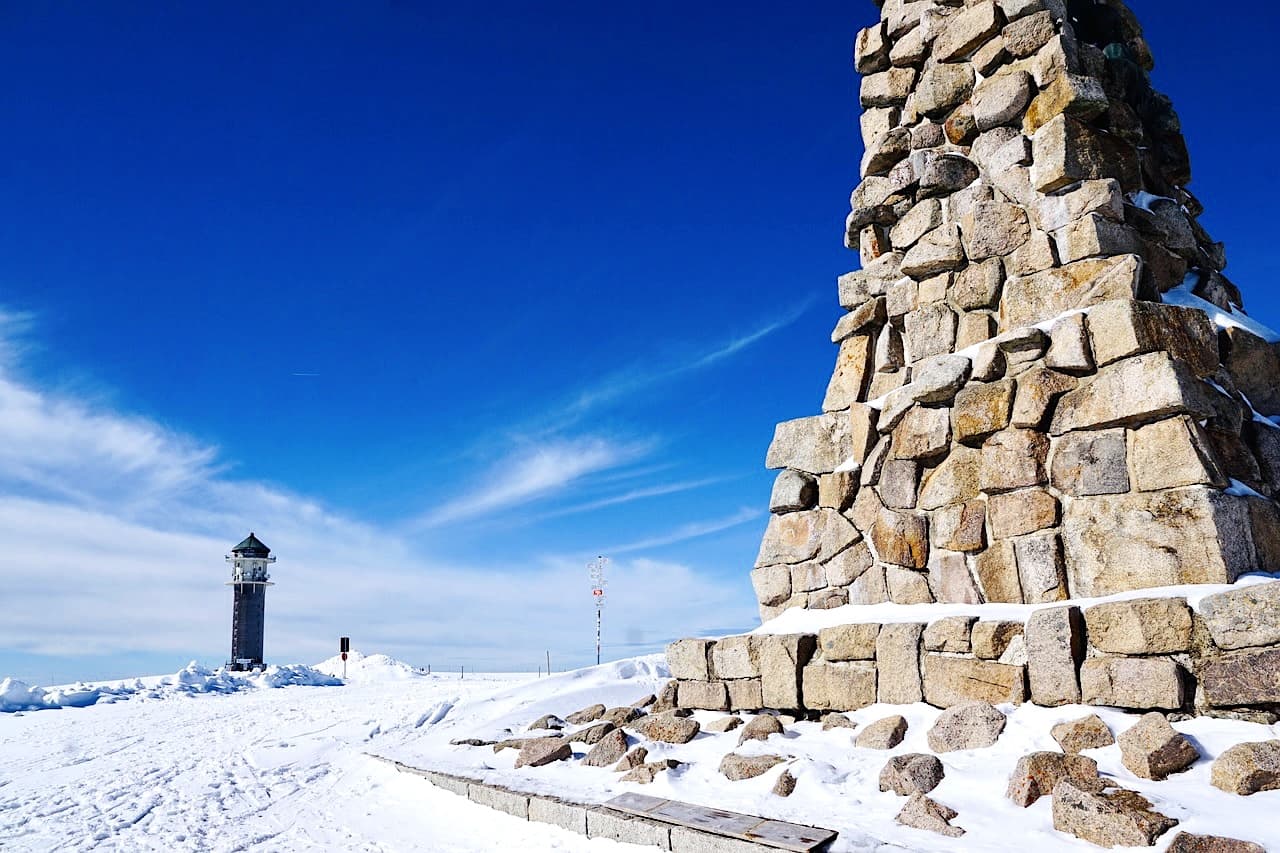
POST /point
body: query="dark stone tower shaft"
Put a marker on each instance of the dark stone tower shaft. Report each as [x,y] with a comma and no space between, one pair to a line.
[250,578]
[249,617]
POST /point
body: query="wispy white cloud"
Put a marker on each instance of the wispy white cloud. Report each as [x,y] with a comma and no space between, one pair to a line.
[532,472]
[631,380]
[685,532]
[632,495]
[115,528]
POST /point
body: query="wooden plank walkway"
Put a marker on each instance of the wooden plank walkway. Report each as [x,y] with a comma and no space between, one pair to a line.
[774,833]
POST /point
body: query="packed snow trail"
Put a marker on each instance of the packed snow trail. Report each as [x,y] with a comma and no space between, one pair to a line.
[266,770]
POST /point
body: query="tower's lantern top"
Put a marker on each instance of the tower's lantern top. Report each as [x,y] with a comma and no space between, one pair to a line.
[252,546]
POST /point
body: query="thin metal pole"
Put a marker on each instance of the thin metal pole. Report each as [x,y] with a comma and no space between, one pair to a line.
[548,661]
[597,636]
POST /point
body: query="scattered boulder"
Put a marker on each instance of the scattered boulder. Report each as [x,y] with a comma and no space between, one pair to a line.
[471,741]
[1248,768]
[632,759]
[1185,842]
[760,728]
[592,734]
[736,767]
[547,722]
[643,701]
[786,784]
[589,714]
[609,749]
[509,743]
[646,773]
[1088,732]
[537,751]
[836,720]
[920,812]
[1037,773]
[915,772]
[666,698]
[667,728]
[722,725]
[883,734]
[1112,817]
[621,716]
[971,725]
[1152,749]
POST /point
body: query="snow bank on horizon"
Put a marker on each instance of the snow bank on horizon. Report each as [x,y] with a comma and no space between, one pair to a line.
[364,669]
[193,679]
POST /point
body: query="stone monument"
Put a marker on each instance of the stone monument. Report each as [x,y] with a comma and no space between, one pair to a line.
[1046,388]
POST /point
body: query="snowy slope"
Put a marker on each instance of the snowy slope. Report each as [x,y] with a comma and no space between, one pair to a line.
[837,782]
[278,770]
[289,769]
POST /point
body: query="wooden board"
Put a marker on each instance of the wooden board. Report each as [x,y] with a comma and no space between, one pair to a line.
[773,833]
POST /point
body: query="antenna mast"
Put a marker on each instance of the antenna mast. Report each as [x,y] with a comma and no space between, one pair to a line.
[596,569]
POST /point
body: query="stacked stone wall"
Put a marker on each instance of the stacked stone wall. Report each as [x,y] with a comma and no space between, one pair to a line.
[1019,412]
[1222,658]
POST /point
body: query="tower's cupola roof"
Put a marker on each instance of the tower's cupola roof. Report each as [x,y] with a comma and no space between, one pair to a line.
[252,546]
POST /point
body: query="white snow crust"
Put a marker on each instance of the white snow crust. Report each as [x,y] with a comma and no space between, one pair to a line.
[1182,295]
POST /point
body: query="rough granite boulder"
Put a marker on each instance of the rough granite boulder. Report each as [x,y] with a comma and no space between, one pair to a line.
[608,750]
[1185,842]
[667,728]
[1113,817]
[1248,768]
[1153,749]
[646,773]
[589,714]
[915,772]
[972,725]
[760,728]
[1036,775]
[632,759]
[723,724]
[1085,733]
[535,752]
[735,767]
[920,812]
[883,734]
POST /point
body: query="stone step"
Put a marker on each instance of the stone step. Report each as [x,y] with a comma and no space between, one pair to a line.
[762,831]
[637,819]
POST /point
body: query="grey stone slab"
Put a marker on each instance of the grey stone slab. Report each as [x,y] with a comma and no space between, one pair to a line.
[702,828]
[619,826]
[453,784]
[686,840]
[500,799]
[558,812]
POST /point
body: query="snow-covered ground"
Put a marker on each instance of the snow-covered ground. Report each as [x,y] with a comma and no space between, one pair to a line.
[838,783]
[164,765]
[161,766]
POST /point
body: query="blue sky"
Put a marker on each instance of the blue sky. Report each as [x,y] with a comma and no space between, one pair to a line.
[442,302]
